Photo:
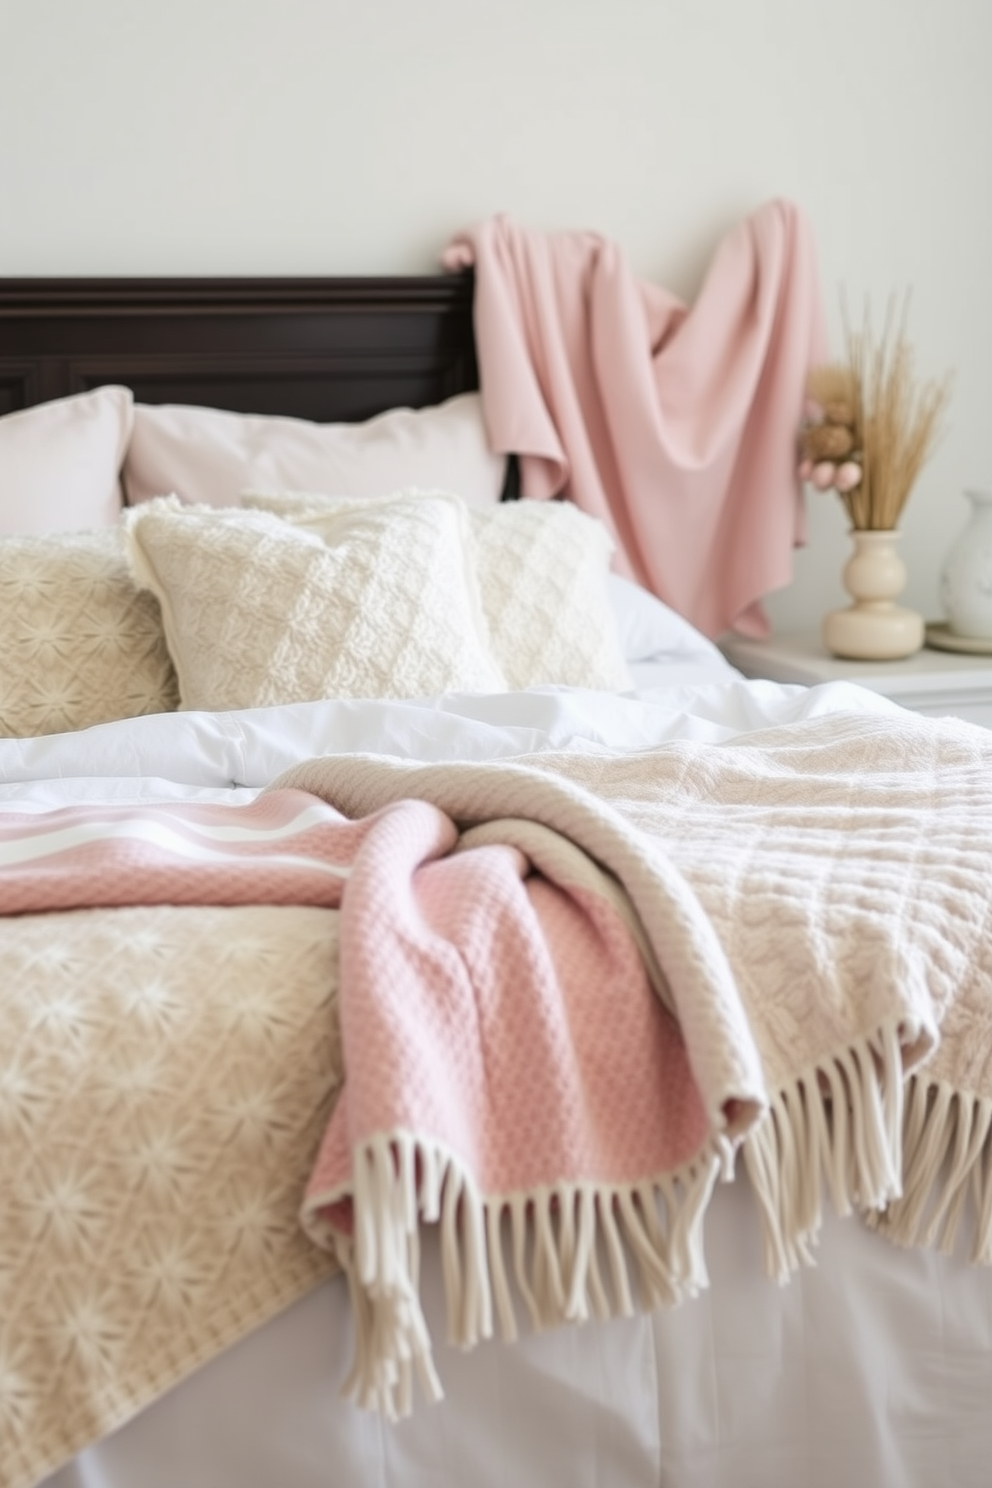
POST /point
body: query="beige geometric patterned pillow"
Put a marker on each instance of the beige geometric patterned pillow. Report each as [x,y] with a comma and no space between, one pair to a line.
[79,643]
[542,572]
[257,611]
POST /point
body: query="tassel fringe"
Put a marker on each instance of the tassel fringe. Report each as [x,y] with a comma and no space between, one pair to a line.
[841,1122]
[569,1248]
[948,1153]
[908,1153]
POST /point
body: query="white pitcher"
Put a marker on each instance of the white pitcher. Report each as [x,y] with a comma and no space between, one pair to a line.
[966,578]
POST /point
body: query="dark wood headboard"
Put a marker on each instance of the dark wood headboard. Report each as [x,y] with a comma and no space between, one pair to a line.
[324,349]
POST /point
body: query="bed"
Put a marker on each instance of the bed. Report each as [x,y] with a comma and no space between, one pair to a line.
[871,1366]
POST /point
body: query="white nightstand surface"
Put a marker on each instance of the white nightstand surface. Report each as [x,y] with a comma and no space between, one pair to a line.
[934,682]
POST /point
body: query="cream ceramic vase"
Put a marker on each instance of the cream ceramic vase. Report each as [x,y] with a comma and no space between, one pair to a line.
[874,627]
[966,578]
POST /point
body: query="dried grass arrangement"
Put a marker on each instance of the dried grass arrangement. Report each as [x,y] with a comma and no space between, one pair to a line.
[871,425]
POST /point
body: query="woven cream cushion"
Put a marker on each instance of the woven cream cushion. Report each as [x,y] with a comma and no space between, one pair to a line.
[258,611]
[79,643]
[542,570]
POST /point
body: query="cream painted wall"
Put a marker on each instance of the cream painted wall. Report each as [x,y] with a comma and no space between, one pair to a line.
[354,136]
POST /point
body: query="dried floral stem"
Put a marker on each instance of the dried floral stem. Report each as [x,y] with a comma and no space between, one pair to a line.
[897,422]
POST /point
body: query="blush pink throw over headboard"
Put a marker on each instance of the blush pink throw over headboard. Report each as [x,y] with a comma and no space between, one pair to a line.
[676,425]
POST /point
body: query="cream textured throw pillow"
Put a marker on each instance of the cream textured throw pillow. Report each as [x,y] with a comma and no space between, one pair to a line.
[258,611]
[79,643]
[542,569]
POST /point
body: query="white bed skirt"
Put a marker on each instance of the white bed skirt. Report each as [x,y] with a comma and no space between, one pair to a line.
[873,1371]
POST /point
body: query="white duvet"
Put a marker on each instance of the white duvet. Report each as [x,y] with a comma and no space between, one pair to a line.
[175,755]
[874,1369]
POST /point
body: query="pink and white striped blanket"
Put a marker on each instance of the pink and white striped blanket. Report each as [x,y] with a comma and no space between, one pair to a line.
[284,848]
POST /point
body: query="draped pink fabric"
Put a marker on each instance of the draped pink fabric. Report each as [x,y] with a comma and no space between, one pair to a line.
[676,425]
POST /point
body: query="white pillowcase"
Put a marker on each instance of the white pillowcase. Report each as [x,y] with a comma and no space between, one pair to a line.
[257,611]
[207,457]
[60,463]
[542,572]
[650,631]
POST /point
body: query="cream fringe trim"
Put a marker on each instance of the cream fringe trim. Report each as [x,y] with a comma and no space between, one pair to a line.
[948,1152]
[559,1238]
[841,1120]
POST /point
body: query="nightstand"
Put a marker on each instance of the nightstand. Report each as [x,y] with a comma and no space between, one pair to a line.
[939,683]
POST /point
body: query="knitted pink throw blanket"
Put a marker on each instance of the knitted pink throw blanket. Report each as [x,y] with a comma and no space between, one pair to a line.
[511,1073]
[674,424]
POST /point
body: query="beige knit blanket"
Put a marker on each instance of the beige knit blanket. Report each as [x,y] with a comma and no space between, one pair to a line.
[814,902]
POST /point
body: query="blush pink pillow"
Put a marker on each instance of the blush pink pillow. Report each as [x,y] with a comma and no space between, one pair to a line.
[60,463]
[207,457]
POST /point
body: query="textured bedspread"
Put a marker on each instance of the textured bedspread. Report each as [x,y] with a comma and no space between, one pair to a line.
[165,1076]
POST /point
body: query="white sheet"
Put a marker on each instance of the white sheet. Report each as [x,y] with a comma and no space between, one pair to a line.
[875,1369]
